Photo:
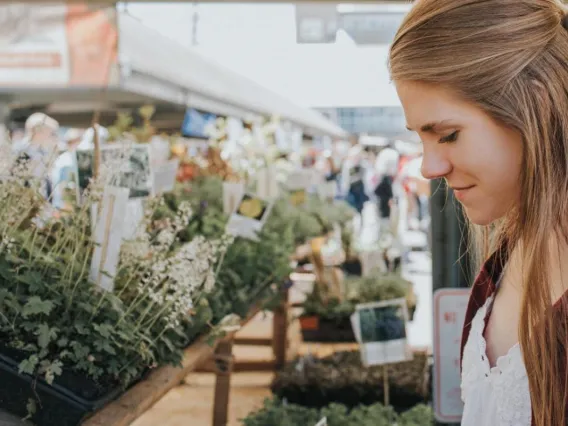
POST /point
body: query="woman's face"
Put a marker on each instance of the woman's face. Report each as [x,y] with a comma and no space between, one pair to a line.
[479,158]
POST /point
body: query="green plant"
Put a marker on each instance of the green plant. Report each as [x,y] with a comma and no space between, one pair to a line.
[374,288]
[55,322]
[342,378]
[250,269]
[276,412]
[420,415]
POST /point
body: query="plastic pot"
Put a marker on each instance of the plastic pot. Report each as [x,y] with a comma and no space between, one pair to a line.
[56,405]
[315,329]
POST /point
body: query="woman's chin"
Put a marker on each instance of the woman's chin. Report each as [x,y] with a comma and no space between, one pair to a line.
[479,217]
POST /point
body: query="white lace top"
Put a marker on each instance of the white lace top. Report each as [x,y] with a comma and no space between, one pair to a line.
[497,396]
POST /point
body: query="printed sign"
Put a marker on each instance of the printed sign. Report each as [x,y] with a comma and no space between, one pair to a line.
[107,237]
[449,315]
[135,173]
[380,329]
[132,161]
[232,194]
[165,176]
[249,217]
[57,44]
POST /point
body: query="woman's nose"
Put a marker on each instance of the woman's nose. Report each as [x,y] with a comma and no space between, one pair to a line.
[434,164]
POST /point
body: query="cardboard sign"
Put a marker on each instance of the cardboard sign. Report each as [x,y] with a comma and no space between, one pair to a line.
[165,176]
[380,329]
[160,151]
[249,217]
[266,183]
[450,305]
[232,193]
[107,236]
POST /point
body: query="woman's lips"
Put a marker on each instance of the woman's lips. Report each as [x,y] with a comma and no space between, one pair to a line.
[461,192]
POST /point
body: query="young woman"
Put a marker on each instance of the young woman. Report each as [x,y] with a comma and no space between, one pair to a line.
[485,84]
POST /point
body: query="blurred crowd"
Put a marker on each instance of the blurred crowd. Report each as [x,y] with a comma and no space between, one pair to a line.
[387,174]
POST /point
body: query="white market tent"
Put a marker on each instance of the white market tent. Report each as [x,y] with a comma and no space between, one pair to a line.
[155,69]
[207,85]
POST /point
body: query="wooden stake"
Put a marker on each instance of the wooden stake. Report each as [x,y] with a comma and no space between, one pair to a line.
[224,365]
[280,331]
[386,389]
[97,145]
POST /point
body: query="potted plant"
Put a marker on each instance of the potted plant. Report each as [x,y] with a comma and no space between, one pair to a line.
[277,412]
[69,346]
[326,318]
[342,378]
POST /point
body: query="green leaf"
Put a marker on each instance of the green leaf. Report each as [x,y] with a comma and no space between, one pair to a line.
[30,278]
[28,365]
[65,354]
[36,306]
[81,329]
[104,330]
[31,408]
[45,335]
[51,369]
[63,342]
[103,345]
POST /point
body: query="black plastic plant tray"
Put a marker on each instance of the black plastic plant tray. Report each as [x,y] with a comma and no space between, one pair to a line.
[55,404]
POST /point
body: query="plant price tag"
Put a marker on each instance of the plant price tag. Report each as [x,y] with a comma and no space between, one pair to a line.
[382,329]
[232,194]
[249,217]
[165,176]
[107,236]
[266,183]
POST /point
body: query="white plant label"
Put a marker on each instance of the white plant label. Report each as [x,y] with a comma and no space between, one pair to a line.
[165,176]
[232,194]
[107,236]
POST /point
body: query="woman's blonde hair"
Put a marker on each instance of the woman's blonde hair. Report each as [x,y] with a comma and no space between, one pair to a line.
[510,57]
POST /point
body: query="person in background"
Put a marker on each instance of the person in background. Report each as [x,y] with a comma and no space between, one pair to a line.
[386,166]
[65,166]
[352,178]
[38,150]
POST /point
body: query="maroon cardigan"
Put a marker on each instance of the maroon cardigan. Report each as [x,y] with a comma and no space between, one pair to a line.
[484,286]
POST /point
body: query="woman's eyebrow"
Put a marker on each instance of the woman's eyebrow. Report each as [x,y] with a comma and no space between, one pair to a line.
[434,126]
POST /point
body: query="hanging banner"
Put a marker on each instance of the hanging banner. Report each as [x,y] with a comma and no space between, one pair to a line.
[316,22]
[69,45]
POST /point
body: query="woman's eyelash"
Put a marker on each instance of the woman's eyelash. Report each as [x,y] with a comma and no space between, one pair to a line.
[450,138]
